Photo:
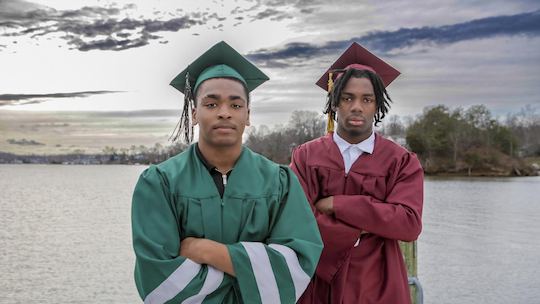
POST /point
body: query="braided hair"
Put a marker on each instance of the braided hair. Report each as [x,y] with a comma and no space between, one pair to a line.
[382,98]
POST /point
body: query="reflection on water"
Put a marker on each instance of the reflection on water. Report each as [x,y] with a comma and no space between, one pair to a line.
[66,237]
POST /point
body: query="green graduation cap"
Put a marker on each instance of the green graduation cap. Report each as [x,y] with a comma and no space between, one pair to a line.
[221,60]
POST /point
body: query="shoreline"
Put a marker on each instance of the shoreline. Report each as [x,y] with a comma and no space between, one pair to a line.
[478,174]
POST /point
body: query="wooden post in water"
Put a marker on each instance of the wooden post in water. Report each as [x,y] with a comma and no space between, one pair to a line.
[409,254]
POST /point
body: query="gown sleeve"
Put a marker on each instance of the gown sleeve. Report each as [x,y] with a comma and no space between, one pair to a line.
[399,216]
[161,275]
[338,237]
[279,269]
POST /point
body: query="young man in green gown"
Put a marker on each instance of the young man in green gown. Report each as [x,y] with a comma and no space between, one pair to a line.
[219,223]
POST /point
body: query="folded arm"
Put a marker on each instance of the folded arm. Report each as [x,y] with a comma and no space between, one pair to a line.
[204,251]
[281,266]
[338,237]
[398,216]
[161,275]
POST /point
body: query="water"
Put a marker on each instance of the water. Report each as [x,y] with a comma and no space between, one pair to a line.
[65,237]
[481,241]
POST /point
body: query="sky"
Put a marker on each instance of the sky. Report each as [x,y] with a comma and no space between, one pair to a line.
[63,61]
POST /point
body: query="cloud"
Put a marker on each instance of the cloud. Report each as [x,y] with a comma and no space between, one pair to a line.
[138,113]
[274,9]
[113,28]
[394,42]
[21,99]
[121,42]
[520,24]
[24,142]
[92,28]
[31,15]
[299,4]
[13,8]
[307,10]
[272,14]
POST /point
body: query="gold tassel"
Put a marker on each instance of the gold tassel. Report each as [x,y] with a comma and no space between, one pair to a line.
[330,122]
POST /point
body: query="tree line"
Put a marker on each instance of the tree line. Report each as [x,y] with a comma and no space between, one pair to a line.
[473,140]
[461,141]
[456,141]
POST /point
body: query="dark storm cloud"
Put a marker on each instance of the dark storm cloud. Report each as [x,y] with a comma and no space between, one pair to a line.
[105,28]
[91,28]
[20,99]
[521,24]
[386,42]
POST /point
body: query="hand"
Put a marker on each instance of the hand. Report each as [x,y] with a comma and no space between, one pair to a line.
[193,249]
[325,205]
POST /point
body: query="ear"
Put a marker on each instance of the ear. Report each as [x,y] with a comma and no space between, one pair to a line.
[194,120]
[248,123]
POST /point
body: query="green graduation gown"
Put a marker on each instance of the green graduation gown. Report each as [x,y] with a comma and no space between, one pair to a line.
[263,218]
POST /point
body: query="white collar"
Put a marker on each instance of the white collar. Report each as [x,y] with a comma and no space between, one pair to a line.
[366,145]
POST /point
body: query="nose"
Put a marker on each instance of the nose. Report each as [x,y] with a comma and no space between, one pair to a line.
[357,106]
[224,112]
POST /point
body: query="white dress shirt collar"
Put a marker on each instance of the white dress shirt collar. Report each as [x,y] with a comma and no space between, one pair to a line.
[351,152]
[366,145]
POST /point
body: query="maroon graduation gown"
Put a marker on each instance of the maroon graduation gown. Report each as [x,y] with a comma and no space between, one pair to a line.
[381,196]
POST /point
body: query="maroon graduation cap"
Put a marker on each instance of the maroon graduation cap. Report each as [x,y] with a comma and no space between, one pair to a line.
[360,58]
[355,57]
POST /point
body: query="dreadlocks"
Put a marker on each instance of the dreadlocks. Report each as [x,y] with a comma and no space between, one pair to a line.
[382,98]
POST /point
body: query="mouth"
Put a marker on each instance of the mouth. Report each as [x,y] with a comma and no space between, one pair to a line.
[357,122]
[224,127]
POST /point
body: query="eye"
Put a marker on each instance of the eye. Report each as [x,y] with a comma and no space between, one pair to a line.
[210,105]
[346,98]
[236,106]
[368,99]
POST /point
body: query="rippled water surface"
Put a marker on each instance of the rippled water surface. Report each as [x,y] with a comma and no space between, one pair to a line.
[65,237]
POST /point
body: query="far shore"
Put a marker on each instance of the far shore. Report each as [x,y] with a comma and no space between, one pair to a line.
[530,170]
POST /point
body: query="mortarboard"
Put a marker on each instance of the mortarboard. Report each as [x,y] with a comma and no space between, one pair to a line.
[356,57]
[360,58]
[221,60]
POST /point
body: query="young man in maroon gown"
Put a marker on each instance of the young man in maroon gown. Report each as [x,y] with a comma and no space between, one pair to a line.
[365,190]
